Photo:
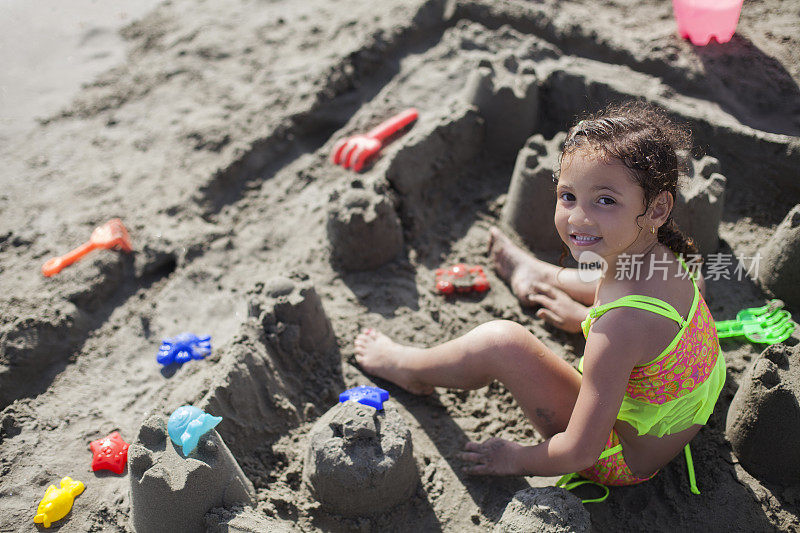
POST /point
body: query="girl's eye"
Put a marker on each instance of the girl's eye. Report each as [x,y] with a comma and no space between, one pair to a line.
[567,196]
[606,200]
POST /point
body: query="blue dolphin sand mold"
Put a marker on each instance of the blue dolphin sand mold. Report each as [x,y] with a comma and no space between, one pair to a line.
[187,424]
[372,396]
[183,348]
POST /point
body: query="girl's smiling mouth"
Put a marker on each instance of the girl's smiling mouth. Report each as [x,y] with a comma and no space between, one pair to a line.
[582,239]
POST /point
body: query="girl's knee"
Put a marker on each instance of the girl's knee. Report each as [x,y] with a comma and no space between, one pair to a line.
[501,348]
[502,336]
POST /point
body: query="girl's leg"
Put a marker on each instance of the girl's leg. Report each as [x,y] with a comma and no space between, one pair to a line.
[522,271]
[544,385]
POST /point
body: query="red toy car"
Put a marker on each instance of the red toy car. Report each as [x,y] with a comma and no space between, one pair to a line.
[461,278]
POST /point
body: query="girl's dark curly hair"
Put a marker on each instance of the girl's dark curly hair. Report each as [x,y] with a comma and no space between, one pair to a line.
[648,143]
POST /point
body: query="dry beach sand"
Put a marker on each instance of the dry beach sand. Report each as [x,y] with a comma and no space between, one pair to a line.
[209,137]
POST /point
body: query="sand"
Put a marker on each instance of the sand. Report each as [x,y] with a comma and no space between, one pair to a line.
[210,135]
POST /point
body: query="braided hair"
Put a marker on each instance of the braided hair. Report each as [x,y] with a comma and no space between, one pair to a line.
[648,143]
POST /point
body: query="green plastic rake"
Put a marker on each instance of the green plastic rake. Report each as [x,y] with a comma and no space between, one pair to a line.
[769,324]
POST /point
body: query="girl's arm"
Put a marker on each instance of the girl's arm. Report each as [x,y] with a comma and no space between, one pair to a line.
[569,281]
[613,347]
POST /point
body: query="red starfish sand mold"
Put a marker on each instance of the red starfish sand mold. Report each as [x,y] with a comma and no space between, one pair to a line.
[110,453]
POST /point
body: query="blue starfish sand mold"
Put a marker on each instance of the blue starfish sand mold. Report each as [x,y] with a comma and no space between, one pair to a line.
[372,396]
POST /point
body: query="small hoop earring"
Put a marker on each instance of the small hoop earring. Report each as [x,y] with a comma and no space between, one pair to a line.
[653,230]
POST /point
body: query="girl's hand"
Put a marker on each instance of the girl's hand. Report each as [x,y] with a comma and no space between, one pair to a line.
[558,308]
[496,457]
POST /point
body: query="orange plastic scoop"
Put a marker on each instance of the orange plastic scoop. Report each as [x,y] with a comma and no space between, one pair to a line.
[112,234]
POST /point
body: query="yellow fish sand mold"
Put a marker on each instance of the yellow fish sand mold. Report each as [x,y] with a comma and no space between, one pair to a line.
[57,502]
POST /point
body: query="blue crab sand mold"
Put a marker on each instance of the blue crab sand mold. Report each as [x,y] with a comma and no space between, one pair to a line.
[170,492]
[183,348]
[359,461]
[544,509]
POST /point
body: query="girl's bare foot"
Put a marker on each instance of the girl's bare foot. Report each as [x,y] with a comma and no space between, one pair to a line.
[381,356]
[517,267]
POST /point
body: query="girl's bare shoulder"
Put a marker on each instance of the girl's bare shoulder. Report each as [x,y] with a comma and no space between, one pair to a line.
[645,334]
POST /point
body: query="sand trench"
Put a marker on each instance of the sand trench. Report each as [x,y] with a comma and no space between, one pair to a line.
[231,223]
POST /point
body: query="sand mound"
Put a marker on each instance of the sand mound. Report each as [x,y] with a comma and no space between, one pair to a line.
[549,509]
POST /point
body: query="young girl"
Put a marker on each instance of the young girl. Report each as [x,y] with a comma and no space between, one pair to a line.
[652,370]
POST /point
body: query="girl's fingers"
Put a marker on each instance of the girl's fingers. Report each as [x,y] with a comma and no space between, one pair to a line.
[541,299]
[472,457]
[550,316]
[545,288]
[473,446]
[476,469]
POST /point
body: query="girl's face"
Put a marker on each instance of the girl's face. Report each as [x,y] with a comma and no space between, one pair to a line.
[597,206]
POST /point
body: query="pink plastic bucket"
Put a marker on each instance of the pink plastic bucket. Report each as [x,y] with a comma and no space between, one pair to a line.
[699,20]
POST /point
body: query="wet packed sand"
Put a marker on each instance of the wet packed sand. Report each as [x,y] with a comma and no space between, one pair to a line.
[210,140]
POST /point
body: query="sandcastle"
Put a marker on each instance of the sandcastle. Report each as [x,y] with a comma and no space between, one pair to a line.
[546,509]
[780,256]
[698,208]
[425,168]
[530,205]
[170,492]
[283,363]
[219,141]
[359,459]
[363,227]
[507,97]
[763,423]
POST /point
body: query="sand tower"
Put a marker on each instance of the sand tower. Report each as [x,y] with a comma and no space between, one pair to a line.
[359,459]
[506,94]
[363,228]
[763,423]
[778,269]
[172,493]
